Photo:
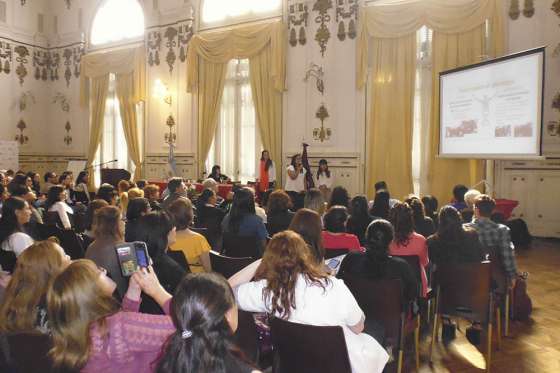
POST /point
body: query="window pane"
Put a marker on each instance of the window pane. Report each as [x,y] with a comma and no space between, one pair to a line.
[117,20]
[247,135]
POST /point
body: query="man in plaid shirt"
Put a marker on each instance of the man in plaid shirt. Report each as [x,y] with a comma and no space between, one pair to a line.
[494,237]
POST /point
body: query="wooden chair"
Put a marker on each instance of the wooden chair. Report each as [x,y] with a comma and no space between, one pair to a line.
[463,290]
[239,246]
[179,257]
[332,253]
[25,353]
[228,266]
[303,348]
[382,301]
[414,263]
[246,336]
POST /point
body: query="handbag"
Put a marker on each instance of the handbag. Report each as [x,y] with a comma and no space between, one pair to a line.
[522,306]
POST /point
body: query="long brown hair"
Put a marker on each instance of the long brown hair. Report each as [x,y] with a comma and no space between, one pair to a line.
[75,301]
[286,257]
[107,223]
[403,222]
[307,223]
[35,268]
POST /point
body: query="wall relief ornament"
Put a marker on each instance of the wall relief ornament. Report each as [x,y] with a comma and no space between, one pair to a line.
[323,34]
[22,54]
[59,97]
[316,72]
[514,11]
[346,9]
[68,4]
[556,7]
[21,137]
[24,100]
[41,62]
[5,57]
[68,137]
[153,46]
[298,16]
[171,34]
[77,53]
[67,54]
[322,133]
[529,8]
[185,35]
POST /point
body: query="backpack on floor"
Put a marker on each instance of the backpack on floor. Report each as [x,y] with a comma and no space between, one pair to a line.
[521,302]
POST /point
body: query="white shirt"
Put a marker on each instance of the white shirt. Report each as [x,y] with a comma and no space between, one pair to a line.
[63,210]
[17,242]
[259,211]
[297,185]
[324,180]
[314,306]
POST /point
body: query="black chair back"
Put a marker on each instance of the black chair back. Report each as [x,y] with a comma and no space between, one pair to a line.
[332,253]
[414,263]
[179,257]
[239,246]
[25,353]
[228,266]
[70,241]
[246,336]
[303,348]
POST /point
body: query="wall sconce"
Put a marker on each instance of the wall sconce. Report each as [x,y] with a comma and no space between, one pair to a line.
[161,91]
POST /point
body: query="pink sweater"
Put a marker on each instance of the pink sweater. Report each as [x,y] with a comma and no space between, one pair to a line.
[416,246]
[134,341]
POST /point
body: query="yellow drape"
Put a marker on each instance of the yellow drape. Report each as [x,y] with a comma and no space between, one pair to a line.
[127,105]
[389,155]
[99,88]
[207,58]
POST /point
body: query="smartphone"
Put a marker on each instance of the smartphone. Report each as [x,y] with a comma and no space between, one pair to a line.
[333,263]
[132,256]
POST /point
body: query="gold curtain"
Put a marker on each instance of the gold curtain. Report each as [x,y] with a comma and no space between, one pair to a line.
[389,154]
[207,58]
[99,89]
[127,105]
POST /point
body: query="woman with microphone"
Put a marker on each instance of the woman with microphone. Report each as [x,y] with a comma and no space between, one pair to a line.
[295,182]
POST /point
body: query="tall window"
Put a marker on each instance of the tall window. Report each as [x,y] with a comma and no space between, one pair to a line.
[236,143]
[220,12]
[117,20]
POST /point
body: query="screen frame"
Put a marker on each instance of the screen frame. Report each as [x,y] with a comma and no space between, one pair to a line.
[540,121]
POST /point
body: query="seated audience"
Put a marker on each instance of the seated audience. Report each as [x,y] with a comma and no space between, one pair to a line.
[468,212]
[381,185]
[176,189]
[495,239]
[81,190]
[376,263]
[381,205]
[242,220]
[359,218]
[56,202]
[279,215]
[135,193]
[66,180]
[35,182]
[458,201]
[218,176]
[108,230]
[156,229]
[453,243]
[208,215]
[204,313]
[307,223]
[15,214]
[141,184]
[408,242]
[151,192]
[50,179]
[431,208]
[291,286]
[137,208]
[335,236]
[104,337]
[20,180]
[3,196]
[24,307]
[192,244]
[315,201]
[259,211]
[29,196]
[93,206]
[339,197]
[423,224]
[122,187]
[108,193]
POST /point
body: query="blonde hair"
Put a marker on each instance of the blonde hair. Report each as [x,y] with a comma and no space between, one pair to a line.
[75,301]
[470,197]
[135,193]
[34,270]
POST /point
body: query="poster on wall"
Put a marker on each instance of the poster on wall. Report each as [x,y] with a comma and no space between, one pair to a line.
[9,155]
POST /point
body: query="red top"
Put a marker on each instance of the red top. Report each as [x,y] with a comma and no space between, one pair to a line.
[416,246]
[341,241]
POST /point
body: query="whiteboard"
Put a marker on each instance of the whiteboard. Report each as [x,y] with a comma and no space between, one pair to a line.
[9,155]
[493,110]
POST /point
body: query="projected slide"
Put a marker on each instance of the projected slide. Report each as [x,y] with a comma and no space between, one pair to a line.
[493,110]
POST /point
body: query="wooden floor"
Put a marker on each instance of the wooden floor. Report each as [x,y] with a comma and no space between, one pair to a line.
[533,346]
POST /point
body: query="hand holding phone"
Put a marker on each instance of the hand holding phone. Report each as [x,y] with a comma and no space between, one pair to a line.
[132,256]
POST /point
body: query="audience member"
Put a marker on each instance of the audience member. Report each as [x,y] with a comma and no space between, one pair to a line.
[209,216]
[279,215]
[468,212]
[217,175]
[359,218]
[423,224]
[156,229]
[50,179]
[242,220]
[135,193]
[93,206]
[15,214]
[141,184]
[339,197]
[376,263]
[151,192]
[307,223]
[108,193]
[137,208]
[431,208]
[104,338]
[315,201]
[177,189]
[381,205]
[24,306]
[122,187]
[3,196]
[334,236]
[408,242]
[193,245]
[56,202]
[35,182]
[324,179]
[108,230]
[290,285]
[204,313]
[382,185]
[66,180]
[458,202]
[81,189]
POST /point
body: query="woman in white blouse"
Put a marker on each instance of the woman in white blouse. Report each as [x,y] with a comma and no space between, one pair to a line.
[56,202]
[314,298]
[324,179]
[15,213]
[295,181]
